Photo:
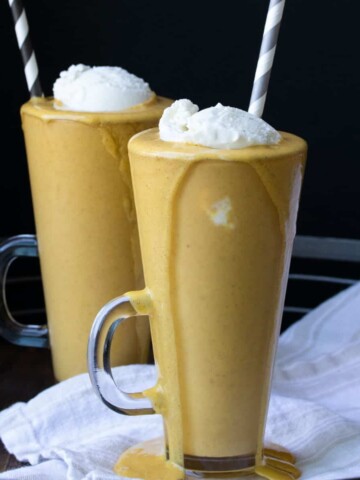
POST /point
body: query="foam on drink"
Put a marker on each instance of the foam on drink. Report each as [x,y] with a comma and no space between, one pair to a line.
[215,127]
[99,89]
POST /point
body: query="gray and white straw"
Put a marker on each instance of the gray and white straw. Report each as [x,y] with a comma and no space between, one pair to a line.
[266,57]
[25,46]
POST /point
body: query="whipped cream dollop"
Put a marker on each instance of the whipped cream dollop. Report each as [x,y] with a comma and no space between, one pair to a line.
[99,89]
[216,127]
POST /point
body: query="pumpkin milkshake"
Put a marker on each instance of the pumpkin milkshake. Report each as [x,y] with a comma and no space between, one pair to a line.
[216,195]
[83,204]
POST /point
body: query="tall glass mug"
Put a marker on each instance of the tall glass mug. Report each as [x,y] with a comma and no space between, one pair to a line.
[216,234]
[86,227]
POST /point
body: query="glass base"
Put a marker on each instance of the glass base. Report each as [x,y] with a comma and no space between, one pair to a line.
[276,464]
[222,464]
[148,462]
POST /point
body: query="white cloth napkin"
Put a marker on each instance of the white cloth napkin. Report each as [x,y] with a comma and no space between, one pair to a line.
[66,433]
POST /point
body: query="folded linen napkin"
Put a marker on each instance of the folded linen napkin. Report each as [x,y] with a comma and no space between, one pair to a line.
[66,433]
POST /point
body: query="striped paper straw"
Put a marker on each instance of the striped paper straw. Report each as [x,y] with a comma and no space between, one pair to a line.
[266,57]
[26,49]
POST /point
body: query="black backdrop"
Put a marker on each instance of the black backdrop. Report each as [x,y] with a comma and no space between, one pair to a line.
[205,51]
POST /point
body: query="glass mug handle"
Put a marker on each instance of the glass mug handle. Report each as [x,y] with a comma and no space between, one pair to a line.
[109,318]
[10,329]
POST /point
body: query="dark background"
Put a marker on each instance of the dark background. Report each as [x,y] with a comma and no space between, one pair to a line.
[205,51]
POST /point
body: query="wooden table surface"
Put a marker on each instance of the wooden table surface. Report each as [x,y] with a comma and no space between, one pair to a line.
[24,372]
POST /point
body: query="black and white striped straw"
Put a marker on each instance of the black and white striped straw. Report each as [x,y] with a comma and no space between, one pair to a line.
[266,57]
[26,49]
